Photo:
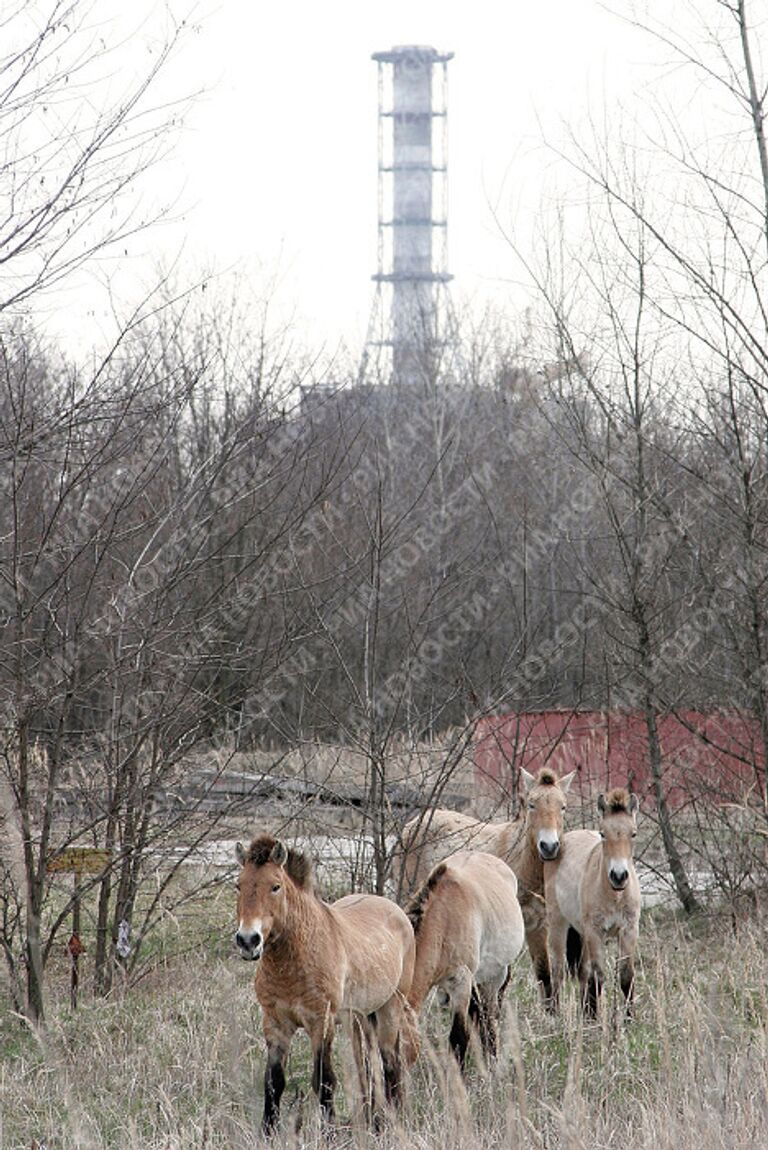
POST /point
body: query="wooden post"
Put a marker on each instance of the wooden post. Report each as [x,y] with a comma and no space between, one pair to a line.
[77,861]
[75,946]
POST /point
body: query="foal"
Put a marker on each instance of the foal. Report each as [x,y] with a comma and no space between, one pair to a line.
[524,844]
[469,929]
[593,889]
[351,960]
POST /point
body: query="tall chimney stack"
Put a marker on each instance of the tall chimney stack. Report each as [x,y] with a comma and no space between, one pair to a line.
[412,248]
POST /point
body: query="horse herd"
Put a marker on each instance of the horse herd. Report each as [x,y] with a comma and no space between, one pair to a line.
[475,893]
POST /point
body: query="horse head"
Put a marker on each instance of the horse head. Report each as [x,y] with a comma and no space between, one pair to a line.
[618,827]
[544,799]
[268,872]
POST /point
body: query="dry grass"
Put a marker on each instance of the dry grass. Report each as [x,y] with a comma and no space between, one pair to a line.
[175,1063]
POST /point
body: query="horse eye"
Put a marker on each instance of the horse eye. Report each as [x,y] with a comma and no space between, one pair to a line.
[634,834]
[276,888]
[531,806]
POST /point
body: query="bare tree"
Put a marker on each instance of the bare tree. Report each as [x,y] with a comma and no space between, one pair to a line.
[141,509]
[79,127]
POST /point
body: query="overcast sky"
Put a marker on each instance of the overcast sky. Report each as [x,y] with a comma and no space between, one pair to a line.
[277,164]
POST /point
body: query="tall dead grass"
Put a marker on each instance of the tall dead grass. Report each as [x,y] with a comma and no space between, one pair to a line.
[176,1062]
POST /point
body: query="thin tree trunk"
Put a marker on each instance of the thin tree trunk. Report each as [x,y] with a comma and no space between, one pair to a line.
[102,977]
[756,106]
[33,951]
[683,887]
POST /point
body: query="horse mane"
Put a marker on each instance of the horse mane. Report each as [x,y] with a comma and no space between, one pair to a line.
[297,865]
[617,801]
[417,905]
[546,778]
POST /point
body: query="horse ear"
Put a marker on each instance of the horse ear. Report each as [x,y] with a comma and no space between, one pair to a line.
[634,804]
[565,782]
[528,779]
[279,854]
[601,804]
[240,853]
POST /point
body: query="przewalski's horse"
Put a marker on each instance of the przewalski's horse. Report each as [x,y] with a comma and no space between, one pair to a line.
[350,961]
[524,844]
[593,889]
[469,929]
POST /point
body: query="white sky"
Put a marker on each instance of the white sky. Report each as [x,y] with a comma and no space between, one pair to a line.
[277,165]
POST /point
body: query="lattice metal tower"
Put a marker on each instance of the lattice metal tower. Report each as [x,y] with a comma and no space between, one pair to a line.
[410,320]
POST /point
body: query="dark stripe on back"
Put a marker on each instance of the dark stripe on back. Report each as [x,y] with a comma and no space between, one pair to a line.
[416,907]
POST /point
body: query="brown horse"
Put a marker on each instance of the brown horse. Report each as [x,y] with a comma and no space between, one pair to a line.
[593,890]
[524,844]
[469,930]
[350,961]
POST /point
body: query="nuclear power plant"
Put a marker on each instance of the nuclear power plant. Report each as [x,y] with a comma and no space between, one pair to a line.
[409,337]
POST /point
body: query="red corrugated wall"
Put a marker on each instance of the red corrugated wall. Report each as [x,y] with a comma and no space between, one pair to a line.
[717,755]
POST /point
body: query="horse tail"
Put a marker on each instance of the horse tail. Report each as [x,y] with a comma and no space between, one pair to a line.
[573,949]
[416,907]
[475,1006]
[409,1039]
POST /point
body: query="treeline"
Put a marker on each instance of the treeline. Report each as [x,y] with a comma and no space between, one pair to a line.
[202,547]
[291,561]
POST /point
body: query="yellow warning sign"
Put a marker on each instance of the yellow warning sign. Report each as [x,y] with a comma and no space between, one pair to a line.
[80,860]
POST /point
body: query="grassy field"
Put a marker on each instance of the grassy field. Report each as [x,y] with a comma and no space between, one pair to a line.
[176,1061]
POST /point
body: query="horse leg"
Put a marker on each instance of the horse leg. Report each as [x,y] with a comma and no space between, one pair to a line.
[459,988]
[627,944]
[459,1037]
[503,989]
[484,1012]
[476,1013]
[573,951]
[592,972]
[397,1033]
[278,1036]
[323,1076]
[536,939]
[362,1046]
[557,939]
